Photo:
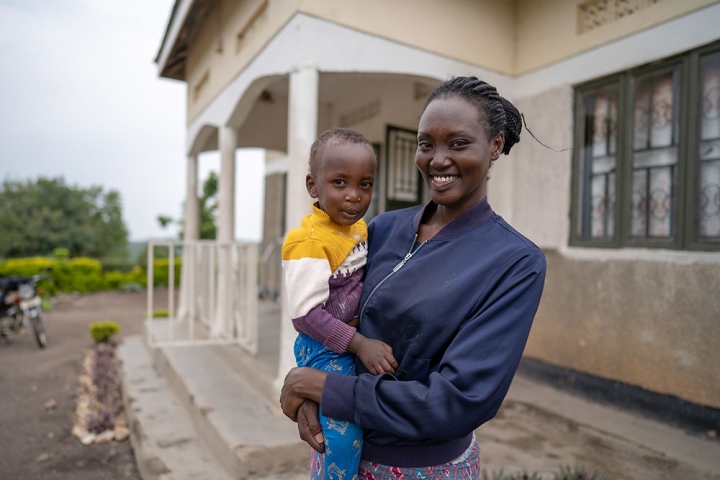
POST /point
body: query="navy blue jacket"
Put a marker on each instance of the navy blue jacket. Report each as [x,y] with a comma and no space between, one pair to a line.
[457,314]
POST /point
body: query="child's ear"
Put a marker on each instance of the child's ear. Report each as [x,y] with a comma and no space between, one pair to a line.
[310,185]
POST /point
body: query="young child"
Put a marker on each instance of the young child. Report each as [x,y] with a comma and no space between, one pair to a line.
[323,261]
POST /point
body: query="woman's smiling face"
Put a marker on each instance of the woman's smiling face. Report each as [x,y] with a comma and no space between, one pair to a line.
[454,152]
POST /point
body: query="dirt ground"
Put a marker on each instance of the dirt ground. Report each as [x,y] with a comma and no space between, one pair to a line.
[35,441]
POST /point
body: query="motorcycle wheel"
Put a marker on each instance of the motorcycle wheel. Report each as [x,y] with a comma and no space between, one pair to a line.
[38,327]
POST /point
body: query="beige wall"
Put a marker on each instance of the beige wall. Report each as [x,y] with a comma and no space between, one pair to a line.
[480,32]
[461,30]
[538,172]
[214,51]
[507,36]
[547,30]
[653,324]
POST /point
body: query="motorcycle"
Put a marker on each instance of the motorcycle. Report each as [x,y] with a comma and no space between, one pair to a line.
[20,304]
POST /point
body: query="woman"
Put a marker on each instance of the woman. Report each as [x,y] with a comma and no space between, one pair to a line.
[452,288]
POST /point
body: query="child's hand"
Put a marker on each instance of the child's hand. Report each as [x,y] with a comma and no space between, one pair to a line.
[375,355]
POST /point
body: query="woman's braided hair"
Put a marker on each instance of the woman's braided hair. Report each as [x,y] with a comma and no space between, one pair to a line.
[500,114]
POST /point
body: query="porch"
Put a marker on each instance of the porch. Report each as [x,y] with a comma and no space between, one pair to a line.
[202,397]
[208,411]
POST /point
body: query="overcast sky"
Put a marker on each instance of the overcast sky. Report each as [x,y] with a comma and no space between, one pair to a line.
[80,98]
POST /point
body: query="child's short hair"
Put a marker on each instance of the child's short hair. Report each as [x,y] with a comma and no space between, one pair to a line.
[336,135]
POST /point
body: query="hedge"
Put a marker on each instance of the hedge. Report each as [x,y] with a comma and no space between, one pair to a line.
[82,274]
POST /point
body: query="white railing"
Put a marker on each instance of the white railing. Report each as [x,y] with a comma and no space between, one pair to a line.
[210,315]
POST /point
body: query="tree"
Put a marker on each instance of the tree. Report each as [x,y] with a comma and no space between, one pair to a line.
[41,215]
[208,205]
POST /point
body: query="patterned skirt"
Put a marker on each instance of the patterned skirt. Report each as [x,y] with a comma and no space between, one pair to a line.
[465,467]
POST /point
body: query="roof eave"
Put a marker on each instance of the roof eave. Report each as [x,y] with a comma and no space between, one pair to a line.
[170,58]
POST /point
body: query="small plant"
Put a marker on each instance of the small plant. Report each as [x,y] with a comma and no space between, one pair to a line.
[500,475]
[160,313]
[100,420]
[577,473]
[131,287]
[102,332]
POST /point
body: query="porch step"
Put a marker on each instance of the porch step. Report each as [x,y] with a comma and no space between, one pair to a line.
[246,433]
[163,438]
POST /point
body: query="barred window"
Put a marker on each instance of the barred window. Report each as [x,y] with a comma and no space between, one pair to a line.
[647,168]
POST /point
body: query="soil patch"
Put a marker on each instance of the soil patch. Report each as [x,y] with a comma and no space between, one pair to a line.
[39,391]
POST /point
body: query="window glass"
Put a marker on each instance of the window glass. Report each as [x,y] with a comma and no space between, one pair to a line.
[655,155]
[598,164]
[708,216]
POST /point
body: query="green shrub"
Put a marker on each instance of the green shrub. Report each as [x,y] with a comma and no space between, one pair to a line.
[103,331]
[128,287]
[114,279]
[82,274]
[137,275]
[161,271]
[61,253]
[110,264]
[161,313]
[26,267]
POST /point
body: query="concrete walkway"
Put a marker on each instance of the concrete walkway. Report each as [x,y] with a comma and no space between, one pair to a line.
[197,415]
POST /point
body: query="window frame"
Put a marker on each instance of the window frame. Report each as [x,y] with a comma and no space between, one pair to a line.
[686,184]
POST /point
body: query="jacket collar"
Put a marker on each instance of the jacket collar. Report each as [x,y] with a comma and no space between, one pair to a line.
[466,221]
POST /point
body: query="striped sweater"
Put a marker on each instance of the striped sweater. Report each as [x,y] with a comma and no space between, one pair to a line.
[323,263]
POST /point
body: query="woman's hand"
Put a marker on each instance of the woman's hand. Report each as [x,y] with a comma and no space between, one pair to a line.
[309,426]
[301,383]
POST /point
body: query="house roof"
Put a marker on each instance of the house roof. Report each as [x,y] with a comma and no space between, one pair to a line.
[172,55]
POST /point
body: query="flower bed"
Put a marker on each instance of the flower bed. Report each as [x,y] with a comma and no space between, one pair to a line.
[99,414]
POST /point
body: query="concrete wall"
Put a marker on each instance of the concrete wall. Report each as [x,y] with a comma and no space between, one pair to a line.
[531,186]
[547,31]
[649,323]
[648,318]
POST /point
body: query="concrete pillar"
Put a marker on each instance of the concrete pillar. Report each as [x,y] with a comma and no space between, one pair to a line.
[192,205]
[302,131]
[226,230]
[192,228]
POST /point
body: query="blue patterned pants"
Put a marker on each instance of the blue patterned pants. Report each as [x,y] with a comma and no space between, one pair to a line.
[343,440]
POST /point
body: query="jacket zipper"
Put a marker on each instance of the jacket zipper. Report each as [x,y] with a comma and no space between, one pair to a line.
[397,267]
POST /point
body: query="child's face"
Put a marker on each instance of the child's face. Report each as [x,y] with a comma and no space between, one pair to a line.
[343,181]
